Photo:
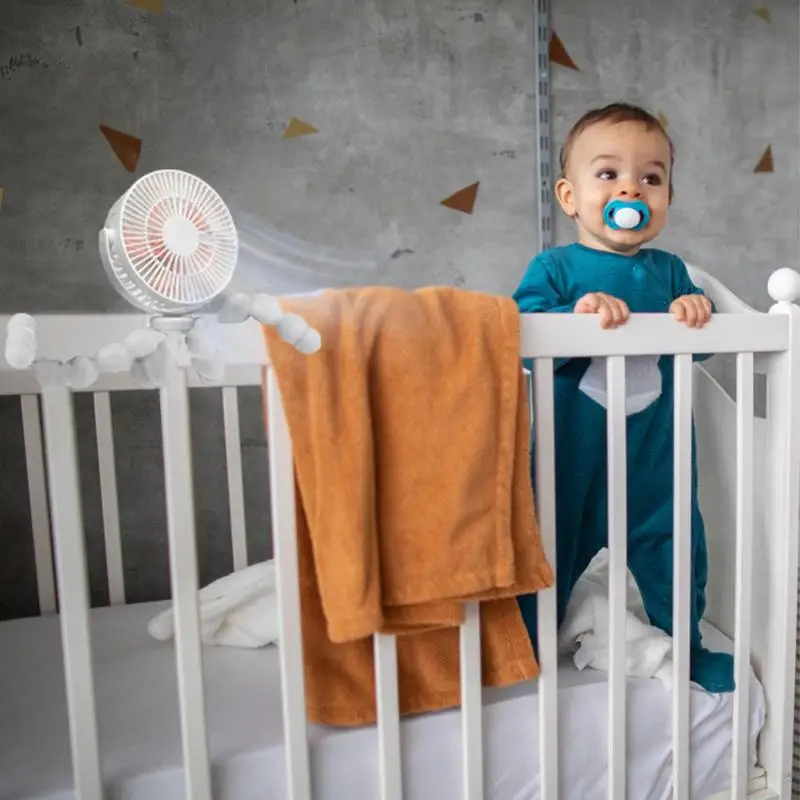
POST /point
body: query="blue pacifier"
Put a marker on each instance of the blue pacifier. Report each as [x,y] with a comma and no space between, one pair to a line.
[628,215]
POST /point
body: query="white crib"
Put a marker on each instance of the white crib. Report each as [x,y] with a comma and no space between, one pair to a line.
[750,482]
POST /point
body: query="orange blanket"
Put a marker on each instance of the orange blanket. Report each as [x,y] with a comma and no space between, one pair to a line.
[411,443]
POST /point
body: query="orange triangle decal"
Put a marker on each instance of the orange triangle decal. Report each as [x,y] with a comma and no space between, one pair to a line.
[662,118]
[559,54]
[153,6]
[463,200]
[763,12]
[126,147]
[297,127]
[765,162]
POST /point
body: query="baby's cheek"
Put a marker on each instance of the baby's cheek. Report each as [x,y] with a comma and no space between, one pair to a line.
[658,216]
[659,202]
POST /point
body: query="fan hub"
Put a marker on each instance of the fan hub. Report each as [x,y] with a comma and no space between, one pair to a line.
[181,236]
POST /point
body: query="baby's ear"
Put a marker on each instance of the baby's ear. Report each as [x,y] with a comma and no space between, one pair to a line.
[566,196]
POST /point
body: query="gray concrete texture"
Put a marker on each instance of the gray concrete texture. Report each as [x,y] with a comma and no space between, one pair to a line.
[412,101]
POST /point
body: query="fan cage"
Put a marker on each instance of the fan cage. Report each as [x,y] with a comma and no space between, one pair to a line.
[181,280]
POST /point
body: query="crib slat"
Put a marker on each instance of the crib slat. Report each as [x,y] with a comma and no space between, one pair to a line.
[471,702]
[618,577]
[37,497]
[70,550]
[386,691]
[682,533]
[544,424]
[284,536]
[181,531]
[108,497]
[745,452]
[233,459]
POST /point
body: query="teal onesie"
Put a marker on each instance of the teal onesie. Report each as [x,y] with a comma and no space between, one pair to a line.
[648,282]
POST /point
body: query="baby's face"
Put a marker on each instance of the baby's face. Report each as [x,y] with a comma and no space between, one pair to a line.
[616,161]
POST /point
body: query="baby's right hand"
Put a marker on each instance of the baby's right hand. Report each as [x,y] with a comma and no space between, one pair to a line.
[613,312]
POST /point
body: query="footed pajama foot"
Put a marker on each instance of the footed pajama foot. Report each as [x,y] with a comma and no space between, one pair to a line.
[713,671]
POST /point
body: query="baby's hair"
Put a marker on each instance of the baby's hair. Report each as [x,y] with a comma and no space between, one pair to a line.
[614,114]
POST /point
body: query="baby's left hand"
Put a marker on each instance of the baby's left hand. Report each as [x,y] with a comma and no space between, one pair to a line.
[693,309]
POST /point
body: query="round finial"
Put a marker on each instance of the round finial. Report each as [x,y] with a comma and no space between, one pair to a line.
[784,285]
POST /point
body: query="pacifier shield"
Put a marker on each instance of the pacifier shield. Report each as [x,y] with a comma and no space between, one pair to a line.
[631,215]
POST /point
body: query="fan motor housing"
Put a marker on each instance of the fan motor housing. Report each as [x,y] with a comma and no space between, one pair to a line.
[124,280]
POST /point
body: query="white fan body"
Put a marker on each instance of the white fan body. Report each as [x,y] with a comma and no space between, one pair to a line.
[169,244]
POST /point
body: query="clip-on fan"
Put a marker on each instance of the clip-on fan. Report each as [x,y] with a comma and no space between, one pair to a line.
[169,247]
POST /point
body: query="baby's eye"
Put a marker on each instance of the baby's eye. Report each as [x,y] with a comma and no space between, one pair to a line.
[653,180]
[607,174]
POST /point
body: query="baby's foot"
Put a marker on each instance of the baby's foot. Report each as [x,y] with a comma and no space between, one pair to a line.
[713,671]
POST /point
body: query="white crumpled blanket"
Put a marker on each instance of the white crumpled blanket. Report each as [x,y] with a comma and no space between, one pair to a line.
[238,610]
[585,630]
[241,610]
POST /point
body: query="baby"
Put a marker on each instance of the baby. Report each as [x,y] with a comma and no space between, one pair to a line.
[617,157]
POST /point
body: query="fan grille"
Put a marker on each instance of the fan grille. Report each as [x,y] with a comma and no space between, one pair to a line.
[178,237]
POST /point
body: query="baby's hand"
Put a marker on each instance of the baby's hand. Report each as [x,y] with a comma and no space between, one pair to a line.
[693,309]
[613,312]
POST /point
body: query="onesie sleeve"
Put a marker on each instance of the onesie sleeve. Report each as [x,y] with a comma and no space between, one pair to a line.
[682,285]
[681,282]
[541,290]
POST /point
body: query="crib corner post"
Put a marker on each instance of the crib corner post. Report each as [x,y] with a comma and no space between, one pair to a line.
[780,540]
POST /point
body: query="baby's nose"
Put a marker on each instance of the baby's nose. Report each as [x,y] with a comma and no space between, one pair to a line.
[631,190]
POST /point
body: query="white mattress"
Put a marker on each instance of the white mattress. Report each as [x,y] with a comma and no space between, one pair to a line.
[139,728]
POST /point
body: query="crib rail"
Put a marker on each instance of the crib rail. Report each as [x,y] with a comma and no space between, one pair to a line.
[568,336]
[765,342]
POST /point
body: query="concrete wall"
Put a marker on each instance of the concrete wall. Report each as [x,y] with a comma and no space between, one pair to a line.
[726,79]
[412,102]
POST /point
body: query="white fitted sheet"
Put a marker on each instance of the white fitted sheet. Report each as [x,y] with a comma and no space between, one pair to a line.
[140,735]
